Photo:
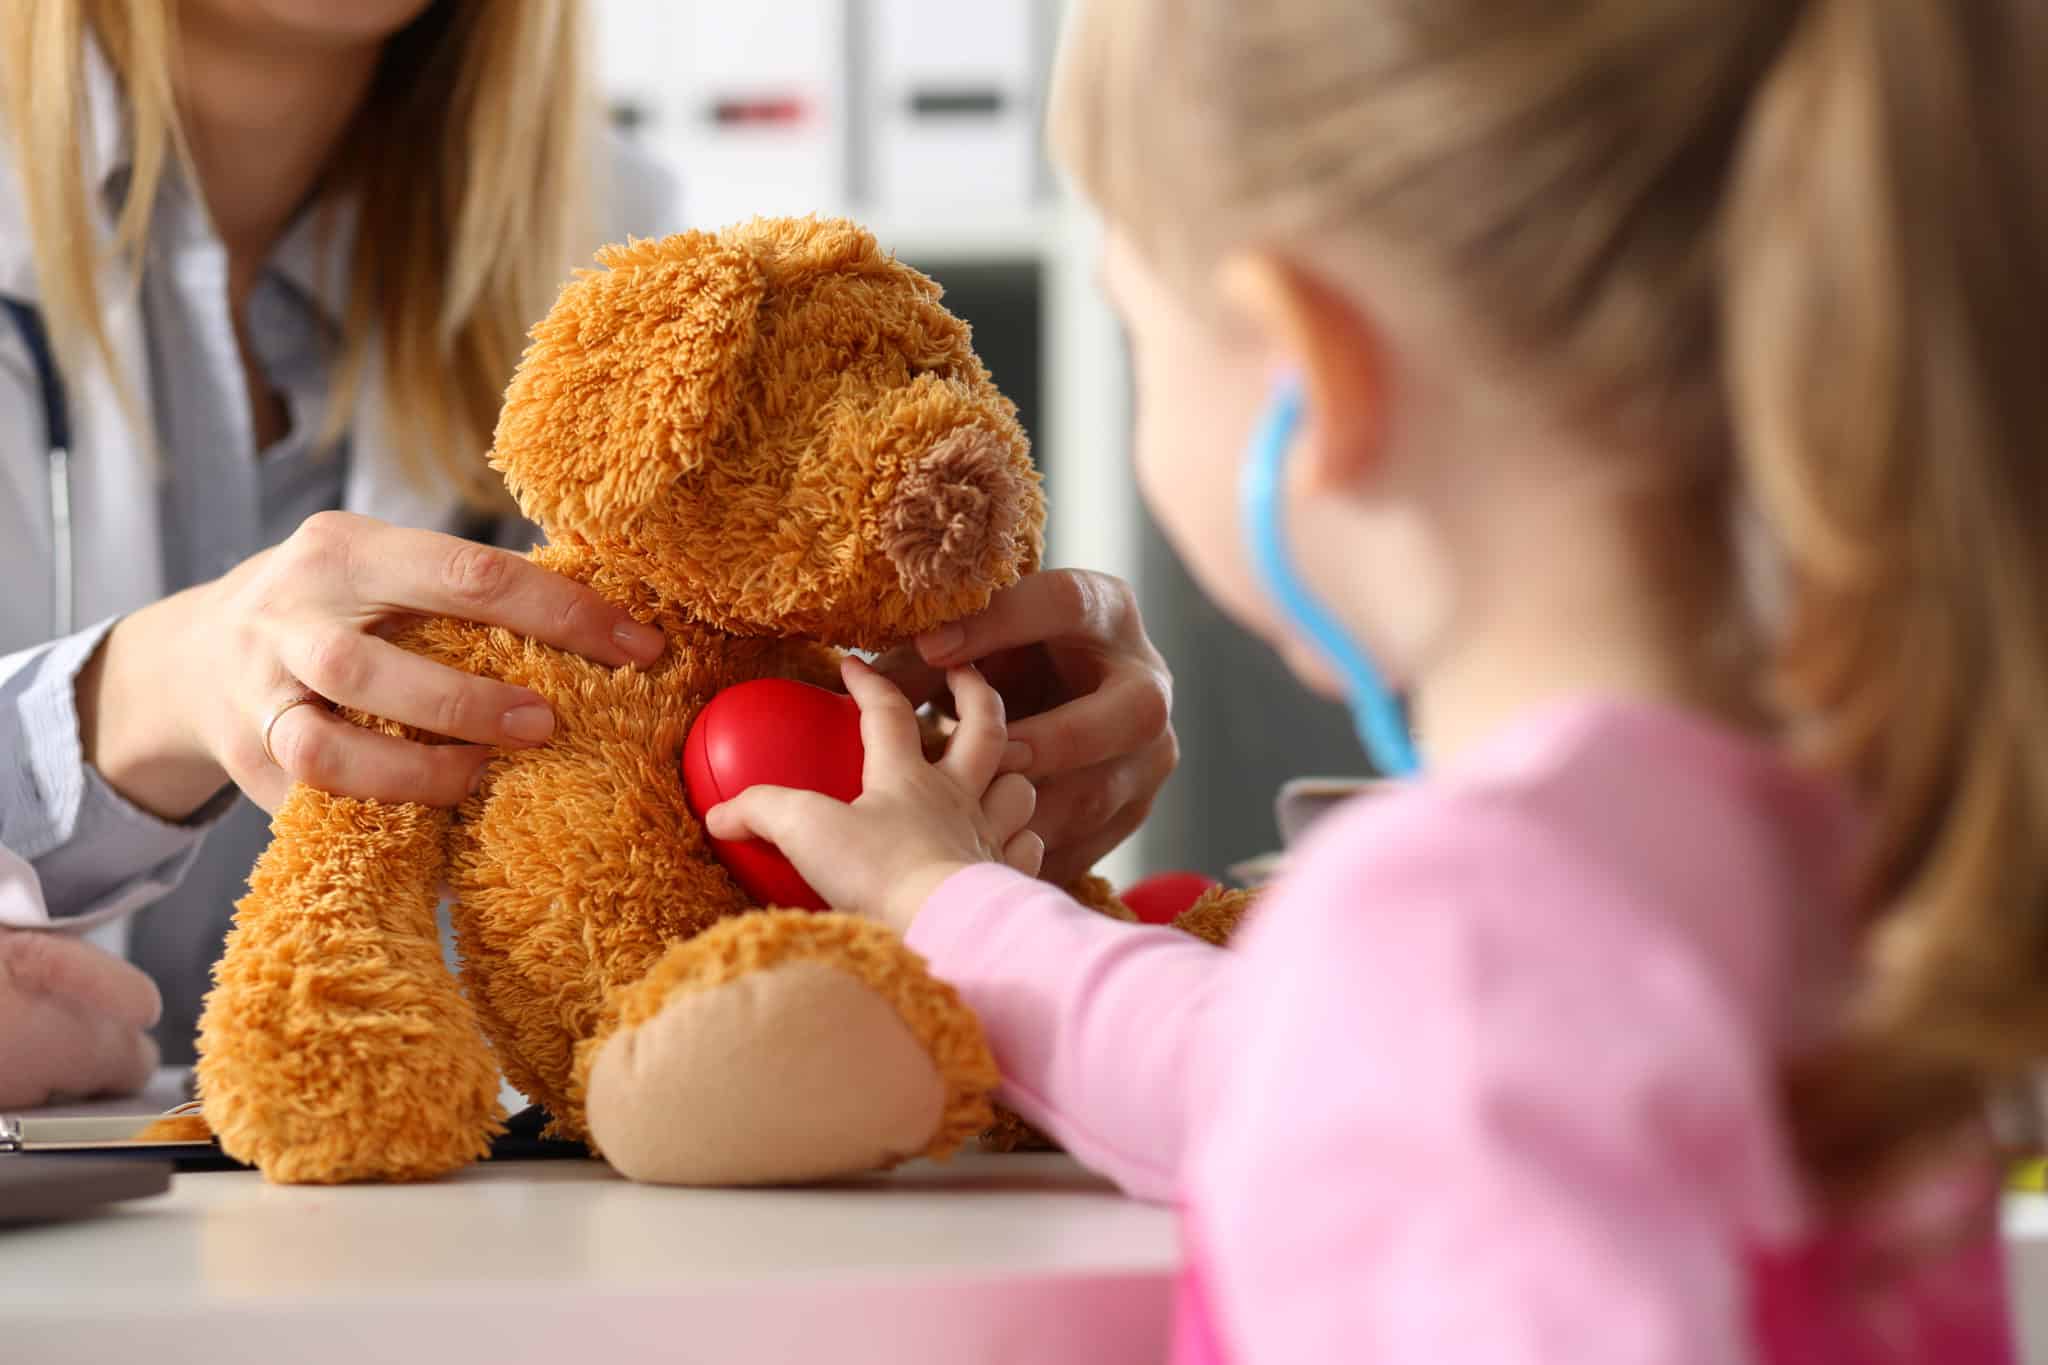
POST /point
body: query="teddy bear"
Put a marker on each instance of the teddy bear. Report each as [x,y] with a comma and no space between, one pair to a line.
[773,443]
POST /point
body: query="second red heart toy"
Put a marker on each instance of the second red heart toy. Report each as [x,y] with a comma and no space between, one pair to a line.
[785,734]
[1161,897]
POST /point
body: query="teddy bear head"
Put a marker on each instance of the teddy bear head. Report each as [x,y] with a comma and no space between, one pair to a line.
[779,429]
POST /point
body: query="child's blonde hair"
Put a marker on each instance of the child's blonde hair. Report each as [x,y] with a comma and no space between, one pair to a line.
[467,162]
[1805,241]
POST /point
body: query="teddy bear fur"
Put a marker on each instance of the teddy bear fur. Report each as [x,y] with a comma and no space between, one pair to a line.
[773,443]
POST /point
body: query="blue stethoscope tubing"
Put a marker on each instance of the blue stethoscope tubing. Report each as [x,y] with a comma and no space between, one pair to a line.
[1374,709]
[57,449]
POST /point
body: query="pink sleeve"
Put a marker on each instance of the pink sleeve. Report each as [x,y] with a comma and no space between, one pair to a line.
[1476,1111]
[1094,1023]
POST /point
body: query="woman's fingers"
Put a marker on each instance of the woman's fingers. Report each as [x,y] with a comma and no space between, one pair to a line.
[397,568]
[346,572]
[888,724]
[39,962]
[1047,607]
[380,679]
[71,1020]
[976,747]
[915,678]
[50,1048]
[1082,816]
[1127,714]
[313,746]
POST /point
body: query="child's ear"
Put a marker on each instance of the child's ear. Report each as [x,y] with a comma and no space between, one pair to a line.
[630,380]
[1311,328]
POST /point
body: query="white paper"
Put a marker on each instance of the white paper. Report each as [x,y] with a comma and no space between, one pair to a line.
[21,894]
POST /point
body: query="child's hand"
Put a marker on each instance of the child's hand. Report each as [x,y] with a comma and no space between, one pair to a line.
[916,823]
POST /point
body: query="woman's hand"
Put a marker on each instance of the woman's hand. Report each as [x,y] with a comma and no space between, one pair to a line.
[177,700]
[1090,703]
[72,1020]
[916,822]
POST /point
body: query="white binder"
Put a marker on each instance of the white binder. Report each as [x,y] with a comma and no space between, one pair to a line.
[748,102]
[953,105]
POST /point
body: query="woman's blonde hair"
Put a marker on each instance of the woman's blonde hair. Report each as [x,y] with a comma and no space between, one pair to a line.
[467,170]
[1805,241]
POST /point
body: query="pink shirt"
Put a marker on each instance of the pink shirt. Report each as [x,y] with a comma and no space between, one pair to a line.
[1490,1076]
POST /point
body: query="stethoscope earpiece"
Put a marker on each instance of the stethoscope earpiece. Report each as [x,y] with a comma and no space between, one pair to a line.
[1374,709]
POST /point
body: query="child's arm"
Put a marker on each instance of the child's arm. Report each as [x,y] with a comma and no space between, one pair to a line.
[1099,1027]
[1479,1107]
[1090,1020]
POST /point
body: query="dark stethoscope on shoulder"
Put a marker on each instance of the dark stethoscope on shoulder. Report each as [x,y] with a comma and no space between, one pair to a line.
[57,444]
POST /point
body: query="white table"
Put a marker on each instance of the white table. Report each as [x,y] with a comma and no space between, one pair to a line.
[2026,1236]
[1013,1258]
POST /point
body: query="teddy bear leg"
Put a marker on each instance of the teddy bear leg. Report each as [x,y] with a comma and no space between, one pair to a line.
[782,1046]
[334,1045]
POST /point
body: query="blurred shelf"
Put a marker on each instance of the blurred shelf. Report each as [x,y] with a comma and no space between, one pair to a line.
[1028,233]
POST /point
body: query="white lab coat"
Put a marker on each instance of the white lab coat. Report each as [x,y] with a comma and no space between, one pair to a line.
[117,557]
[117,551]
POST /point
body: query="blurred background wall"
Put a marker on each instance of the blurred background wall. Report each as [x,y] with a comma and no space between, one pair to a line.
[922,118]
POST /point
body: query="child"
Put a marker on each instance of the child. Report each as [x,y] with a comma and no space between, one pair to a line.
[1660,1018]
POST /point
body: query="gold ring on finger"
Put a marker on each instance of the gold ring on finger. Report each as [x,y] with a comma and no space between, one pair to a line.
[305,697]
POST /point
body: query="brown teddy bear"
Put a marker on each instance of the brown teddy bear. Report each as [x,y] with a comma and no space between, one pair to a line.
[772,443]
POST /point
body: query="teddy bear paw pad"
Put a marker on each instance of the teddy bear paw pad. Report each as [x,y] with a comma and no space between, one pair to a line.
[792,1073]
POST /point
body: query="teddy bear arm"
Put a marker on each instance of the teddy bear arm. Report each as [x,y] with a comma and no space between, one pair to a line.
[334,1045]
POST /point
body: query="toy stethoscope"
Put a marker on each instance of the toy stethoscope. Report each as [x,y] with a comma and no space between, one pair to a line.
[1374,710]
[57,444]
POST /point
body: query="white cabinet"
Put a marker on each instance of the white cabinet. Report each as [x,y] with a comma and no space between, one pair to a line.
[952,97]
[748,102]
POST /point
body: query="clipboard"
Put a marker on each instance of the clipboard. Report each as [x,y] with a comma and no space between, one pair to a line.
[188,1147]
[41,1189]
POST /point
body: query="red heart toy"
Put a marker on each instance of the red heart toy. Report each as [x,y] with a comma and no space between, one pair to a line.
[785,734]
[1161,897]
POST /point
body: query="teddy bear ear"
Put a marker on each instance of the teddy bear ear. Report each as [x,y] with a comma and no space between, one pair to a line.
[629,380]
[957,500]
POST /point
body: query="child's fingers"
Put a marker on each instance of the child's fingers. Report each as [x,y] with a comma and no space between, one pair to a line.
[888,722]
[976,749]
[1008,806]
[1026,853]
[792,820]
